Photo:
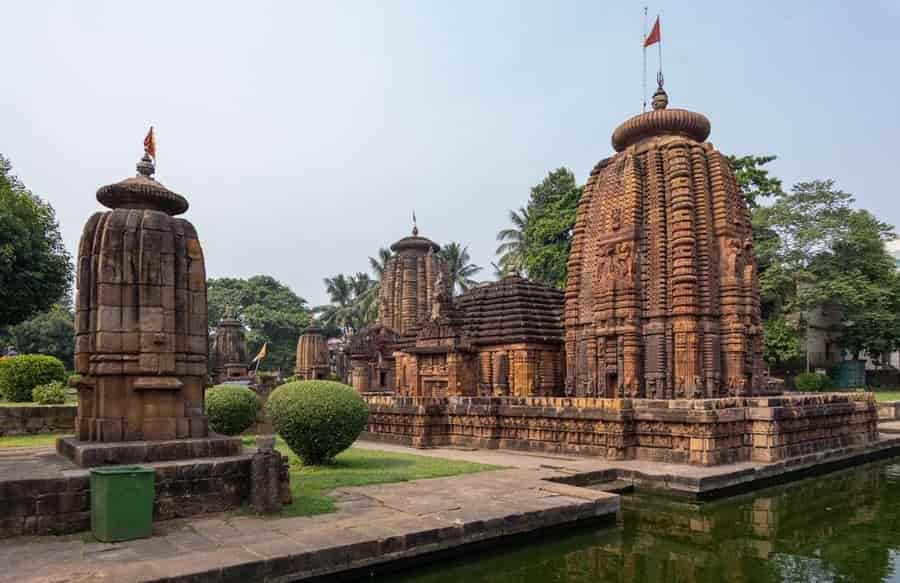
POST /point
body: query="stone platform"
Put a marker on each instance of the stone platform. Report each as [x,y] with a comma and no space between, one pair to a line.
[374,526]
[377,527]
[89,454]
[43,493]
[704,432]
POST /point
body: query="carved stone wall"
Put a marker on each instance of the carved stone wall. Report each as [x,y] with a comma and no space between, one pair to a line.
[700,431]
[662,298]
[313,360]
[141,321]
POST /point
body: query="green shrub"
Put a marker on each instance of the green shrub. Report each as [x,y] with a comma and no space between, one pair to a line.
[317,419]
[813,381]
[50,394]
[19,375]
[231,408]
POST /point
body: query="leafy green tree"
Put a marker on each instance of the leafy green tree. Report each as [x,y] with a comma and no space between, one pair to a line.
[781,341]
[51,333]
[35,268]
[512,244]
[459,267]
[754,180]
[379,262]
[825,251]
[270,311]
[548,230]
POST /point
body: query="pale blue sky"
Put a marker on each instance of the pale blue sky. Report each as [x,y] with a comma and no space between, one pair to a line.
[304,133]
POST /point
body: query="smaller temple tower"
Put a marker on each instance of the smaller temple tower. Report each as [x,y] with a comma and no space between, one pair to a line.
[408,283]
[312,355]
[229,350]
[410,280]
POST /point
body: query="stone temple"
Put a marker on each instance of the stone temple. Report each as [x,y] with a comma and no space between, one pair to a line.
[409,283]
[313,361]
[228,350]
[660,333]
[662,298]
[140,321]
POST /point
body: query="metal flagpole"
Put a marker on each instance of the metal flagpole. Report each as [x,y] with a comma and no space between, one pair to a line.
[644,45]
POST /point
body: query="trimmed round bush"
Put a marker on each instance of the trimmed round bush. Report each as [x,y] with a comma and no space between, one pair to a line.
[317,419]
[50,394]
[813,381]
[19,375]
[231,409]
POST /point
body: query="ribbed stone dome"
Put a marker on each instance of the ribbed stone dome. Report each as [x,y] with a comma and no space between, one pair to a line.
[142,192]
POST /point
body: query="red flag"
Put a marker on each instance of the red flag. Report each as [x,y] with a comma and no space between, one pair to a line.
[653,37]
[150,144]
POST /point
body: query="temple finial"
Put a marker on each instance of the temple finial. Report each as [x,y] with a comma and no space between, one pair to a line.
[660,98]
[415,230]
[146,167]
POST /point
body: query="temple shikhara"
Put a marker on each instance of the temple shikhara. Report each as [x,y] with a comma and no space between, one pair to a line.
[653,352]
[140,320]
[662,298]
[228,350]
[501,338]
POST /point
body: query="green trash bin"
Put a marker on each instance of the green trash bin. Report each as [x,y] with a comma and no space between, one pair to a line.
[122,502]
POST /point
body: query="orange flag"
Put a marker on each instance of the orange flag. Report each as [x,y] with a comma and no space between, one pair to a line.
[150,144]
[653,37]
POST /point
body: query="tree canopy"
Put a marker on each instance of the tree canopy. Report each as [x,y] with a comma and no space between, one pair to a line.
[539,241]
[269,310]
[354,302]
[459,267]
[35,268]
[51,333]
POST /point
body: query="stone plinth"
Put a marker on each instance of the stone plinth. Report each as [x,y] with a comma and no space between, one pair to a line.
[662,297]
[91,454]
[693,431]
[141,317]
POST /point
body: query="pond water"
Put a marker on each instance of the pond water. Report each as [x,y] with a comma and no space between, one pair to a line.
[843,526]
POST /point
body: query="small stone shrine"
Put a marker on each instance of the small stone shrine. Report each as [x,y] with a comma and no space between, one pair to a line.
[313,360]
[228,350]
[141,338]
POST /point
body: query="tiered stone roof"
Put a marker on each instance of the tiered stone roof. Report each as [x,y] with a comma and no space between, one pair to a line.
[512,310]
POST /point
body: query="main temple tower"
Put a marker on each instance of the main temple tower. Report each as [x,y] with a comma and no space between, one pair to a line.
[662,298]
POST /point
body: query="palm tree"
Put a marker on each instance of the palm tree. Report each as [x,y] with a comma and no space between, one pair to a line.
[512,247]
[380,262]
[458,267]
[340,311]
[365,299]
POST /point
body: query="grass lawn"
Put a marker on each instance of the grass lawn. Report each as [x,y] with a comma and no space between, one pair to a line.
[887,395]
[36,440]
[359,467]
[69,401]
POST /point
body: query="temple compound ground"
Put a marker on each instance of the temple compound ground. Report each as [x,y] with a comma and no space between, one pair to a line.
[384,526]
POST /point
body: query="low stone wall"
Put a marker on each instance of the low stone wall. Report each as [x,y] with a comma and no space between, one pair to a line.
[696,431]
[52,506]
[888,410]
[37,419]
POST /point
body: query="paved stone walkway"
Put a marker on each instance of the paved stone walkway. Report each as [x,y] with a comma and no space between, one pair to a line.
[373,524]
[381,523]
